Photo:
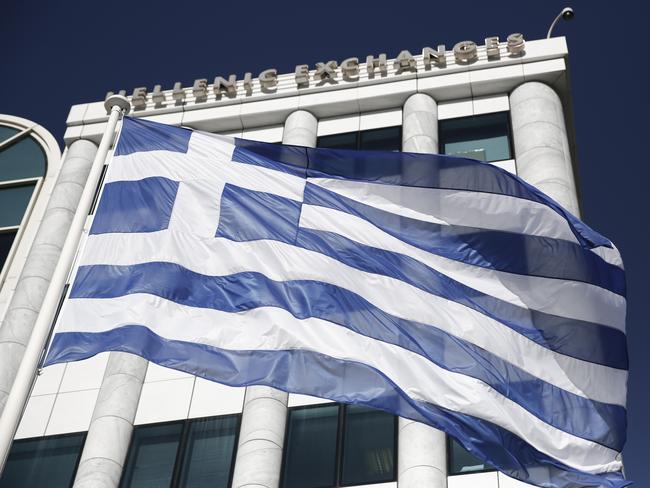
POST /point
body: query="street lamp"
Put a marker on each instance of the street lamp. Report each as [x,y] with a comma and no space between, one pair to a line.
[566,14]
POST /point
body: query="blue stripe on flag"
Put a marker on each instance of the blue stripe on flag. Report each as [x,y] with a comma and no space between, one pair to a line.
[570,337]
[305,299]
[242,210]
[135,206]
[316,374]
[143,135]
[503,251]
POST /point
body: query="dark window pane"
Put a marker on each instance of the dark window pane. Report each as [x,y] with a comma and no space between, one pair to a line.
[7,132]
[23,159]
[310,459]
[386,139]
[482,137]
[462,461]
[209,452]
[339,141]
[6,239]
[48,462]
[13,203]
[152,455]
[369,446]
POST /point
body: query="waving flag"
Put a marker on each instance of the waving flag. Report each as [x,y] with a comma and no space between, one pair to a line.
[440,289]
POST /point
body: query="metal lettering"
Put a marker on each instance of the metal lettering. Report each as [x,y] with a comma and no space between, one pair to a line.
[200,89]
[302,75]
[110,94]
[350,69]
[158,96]
[229,86]
[139,98]
[178,93]
[248,83]
[516,44]
[372,64]
[439,57]
[465,52]
[492,47]
[404,62]
[268,79]
[326,72]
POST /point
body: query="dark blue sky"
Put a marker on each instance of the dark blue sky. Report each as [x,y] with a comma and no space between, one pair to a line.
[57,53]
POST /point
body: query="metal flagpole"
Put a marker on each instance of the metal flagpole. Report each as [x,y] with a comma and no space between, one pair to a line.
[13,411]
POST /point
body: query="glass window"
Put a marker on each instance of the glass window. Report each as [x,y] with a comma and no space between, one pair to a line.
[48,461]
[482,137]
[384,139]
[13,203]
[6,239]
[209,453]
[339,141]
[152,456]
[462,461]
[310,457]
[22,159]
[332,445]
[7,132]
[368,447]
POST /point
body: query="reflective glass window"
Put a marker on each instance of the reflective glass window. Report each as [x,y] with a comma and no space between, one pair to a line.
[339,141]
[152,456]
[339,445]
[368,447]
[462,461]
[6,239]
[44,462]
[482,137]
[22,159]
[13,203]
[7,132]
[384,139]
[310,458]
[209,452]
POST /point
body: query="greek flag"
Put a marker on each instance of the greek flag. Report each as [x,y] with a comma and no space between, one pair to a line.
[440,289]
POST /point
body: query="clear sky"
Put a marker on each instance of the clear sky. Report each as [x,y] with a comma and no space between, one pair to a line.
[54,54]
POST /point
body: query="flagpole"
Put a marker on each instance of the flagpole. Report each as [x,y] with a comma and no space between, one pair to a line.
[117,105]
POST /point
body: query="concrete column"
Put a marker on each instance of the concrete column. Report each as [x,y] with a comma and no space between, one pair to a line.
[422,450]
[300,129]
[43,256]
[541,143]
[111,427]
[261,437]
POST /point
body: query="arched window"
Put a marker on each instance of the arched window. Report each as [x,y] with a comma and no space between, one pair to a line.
[23,164]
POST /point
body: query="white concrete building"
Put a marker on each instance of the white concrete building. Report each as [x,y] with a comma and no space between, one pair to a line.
[115,420]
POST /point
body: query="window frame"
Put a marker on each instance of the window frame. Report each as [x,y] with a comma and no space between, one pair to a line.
[52,159]
[340,440]
[177,469]
[506,113]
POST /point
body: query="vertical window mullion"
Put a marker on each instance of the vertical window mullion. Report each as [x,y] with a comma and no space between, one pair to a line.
[180,451]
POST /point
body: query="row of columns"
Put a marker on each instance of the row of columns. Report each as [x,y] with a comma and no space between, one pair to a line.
[543,159]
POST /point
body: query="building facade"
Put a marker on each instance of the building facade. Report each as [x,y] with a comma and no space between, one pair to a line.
[115,420]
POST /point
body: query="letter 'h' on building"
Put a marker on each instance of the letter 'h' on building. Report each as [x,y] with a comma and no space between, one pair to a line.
[440,289]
